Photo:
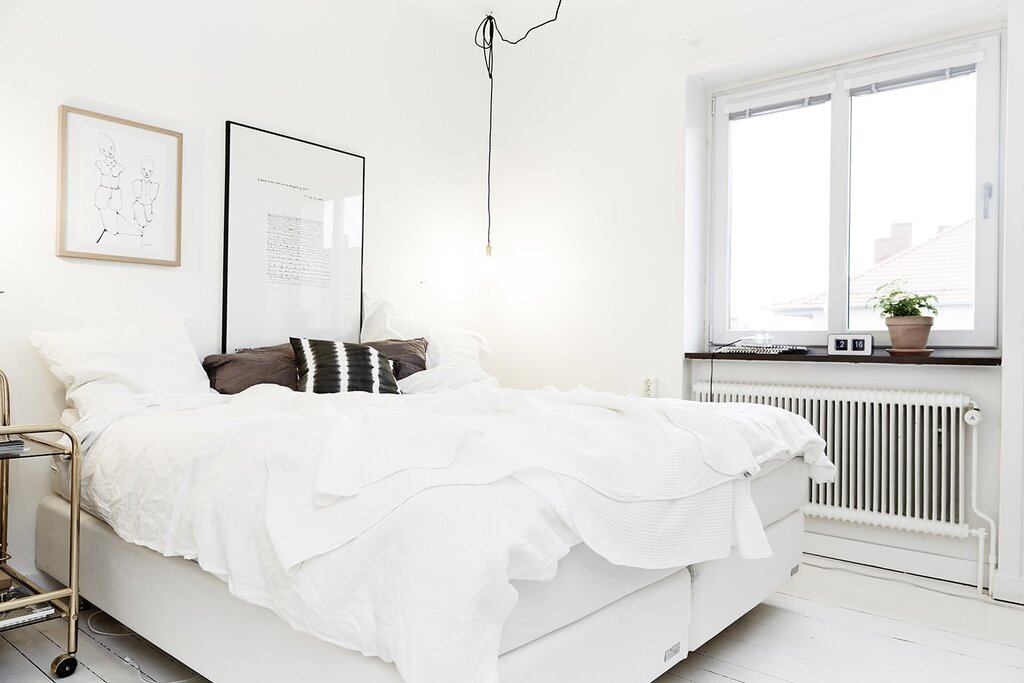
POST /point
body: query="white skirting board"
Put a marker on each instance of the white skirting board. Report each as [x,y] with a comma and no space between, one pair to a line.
[1008,588]
[958,570]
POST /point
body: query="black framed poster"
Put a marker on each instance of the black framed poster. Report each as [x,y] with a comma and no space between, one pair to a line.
[293,240]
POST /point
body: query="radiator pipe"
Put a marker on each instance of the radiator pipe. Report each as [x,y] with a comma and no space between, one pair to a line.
[973,418]
[981,535]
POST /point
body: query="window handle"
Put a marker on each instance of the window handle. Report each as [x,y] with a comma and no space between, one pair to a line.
[986,193]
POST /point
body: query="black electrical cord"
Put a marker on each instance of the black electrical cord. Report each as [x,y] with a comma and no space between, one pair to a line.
[484,38]
[485,41]
[716,349]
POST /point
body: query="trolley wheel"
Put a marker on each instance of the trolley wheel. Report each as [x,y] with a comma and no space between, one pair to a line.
[63,666]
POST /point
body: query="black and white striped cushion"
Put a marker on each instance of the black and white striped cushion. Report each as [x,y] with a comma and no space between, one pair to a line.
[330,367]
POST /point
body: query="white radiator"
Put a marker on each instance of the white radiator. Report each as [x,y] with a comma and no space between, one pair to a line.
[899,455]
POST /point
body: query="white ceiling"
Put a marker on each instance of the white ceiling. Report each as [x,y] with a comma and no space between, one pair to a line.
[693,19]
[514,17]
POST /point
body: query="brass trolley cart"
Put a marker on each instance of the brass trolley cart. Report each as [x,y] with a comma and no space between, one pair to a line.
[63,600]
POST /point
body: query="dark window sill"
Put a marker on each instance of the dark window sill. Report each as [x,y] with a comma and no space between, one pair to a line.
[940,357]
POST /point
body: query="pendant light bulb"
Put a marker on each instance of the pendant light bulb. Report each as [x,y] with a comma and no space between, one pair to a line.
[487,252]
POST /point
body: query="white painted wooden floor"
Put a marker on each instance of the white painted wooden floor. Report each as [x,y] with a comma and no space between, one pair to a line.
[839,625]
[826,625]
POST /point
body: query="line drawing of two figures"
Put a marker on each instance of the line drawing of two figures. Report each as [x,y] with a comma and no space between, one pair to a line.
[108,197]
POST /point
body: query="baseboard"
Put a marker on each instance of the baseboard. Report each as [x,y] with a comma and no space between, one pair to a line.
[888,557]
[1008,588]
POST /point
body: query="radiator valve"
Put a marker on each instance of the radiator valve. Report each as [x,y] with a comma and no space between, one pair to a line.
[973,417]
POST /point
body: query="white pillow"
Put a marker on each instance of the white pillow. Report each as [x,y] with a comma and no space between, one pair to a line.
[444,377]
[445,345]
[101,366]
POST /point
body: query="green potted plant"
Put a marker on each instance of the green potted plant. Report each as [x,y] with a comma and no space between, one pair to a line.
[908,329]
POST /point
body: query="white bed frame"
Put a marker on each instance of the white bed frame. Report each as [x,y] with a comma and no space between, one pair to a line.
[191,615]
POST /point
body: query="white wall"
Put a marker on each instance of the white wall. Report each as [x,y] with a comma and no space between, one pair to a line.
[588,166]
[592,118]
[375,78]
[601,274]
[1010,578]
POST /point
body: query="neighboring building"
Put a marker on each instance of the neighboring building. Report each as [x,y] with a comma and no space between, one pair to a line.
[942,265]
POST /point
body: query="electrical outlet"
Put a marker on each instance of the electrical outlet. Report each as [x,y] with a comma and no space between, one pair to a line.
[650,387]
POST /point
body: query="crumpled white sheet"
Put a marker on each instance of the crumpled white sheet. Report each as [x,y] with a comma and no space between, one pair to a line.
[418,575]
[613,458]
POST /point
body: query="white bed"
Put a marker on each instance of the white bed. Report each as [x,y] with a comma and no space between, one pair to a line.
[568,629]
[466,532]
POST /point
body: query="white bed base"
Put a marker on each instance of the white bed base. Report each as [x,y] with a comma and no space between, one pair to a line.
[191,615]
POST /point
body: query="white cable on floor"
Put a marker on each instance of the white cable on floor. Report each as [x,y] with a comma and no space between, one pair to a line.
[915,584]
[92,628]
[149,679]
[128,660]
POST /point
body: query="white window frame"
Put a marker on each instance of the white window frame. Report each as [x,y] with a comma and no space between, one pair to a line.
[837,81]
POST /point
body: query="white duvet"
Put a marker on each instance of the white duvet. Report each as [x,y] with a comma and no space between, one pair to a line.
[393,525]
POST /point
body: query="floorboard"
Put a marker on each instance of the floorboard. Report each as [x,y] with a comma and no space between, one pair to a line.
[107,653]
[104,655]
[750,649]
[40,650]
[16,667]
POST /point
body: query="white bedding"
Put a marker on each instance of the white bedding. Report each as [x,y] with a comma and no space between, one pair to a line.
[401,543]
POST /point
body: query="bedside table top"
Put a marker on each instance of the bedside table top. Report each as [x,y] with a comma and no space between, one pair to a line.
[35,448]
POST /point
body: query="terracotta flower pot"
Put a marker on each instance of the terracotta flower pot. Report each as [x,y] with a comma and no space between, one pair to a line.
[910,332]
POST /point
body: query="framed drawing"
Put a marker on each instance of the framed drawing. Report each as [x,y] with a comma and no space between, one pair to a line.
[293,240]
[120,189]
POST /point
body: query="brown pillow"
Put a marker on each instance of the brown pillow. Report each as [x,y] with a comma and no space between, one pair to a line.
[408,355]
[232,373]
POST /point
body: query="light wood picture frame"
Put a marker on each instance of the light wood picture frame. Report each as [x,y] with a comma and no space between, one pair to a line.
[119,189]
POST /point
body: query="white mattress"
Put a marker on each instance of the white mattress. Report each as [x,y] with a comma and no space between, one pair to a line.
[586,582]
[158,597]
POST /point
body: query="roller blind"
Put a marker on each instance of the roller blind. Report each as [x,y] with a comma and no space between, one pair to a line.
[779,106]
[916,79]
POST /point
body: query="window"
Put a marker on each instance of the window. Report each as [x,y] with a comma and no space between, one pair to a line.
[763,219]
[827,186]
